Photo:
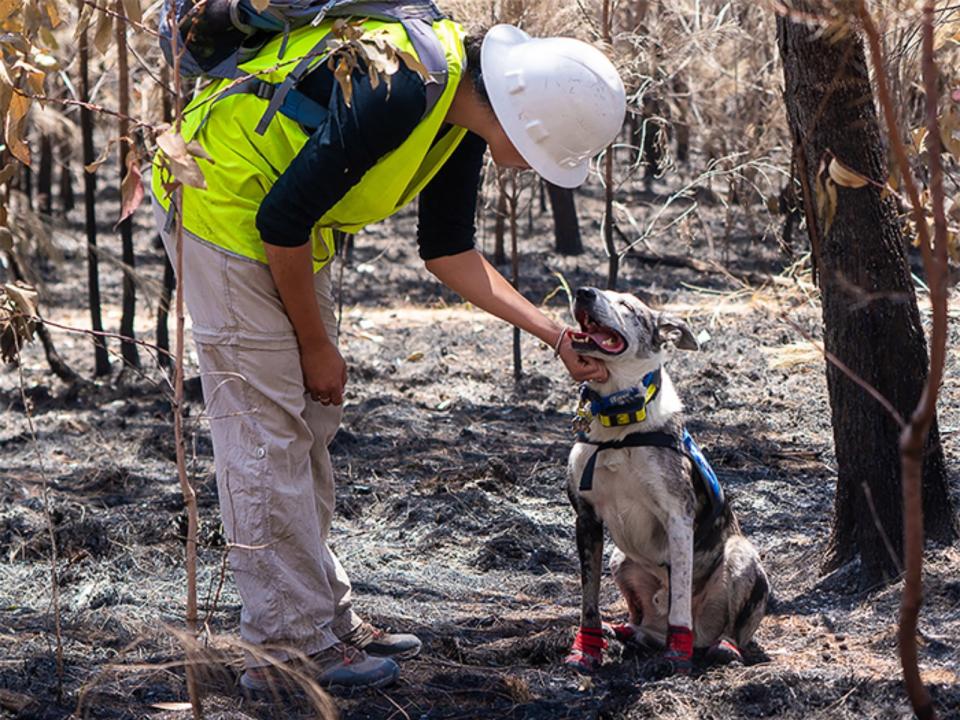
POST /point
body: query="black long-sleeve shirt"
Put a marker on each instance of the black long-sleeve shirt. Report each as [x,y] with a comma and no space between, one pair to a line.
[349,142]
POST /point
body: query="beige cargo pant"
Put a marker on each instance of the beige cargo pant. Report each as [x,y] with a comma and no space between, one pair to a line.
[274,476]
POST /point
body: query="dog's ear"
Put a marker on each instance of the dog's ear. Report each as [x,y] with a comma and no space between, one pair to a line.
[675,331]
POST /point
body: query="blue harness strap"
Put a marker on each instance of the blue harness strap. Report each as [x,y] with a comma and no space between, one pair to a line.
[709,478]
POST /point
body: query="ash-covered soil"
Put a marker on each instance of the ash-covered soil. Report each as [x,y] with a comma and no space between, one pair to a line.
[452,515]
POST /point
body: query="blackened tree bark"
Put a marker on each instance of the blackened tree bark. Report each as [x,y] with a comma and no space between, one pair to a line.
[45,175]
[870,316]
[500,227]
[101,359]
[566,227]
[67,200]
[169,277]
[128,348]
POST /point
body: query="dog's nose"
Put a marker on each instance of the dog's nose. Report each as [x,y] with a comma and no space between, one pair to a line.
[586,294]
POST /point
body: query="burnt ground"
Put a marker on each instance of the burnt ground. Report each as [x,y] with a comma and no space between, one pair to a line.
[452,517]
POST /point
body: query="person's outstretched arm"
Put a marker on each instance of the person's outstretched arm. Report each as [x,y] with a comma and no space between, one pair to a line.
[478,282]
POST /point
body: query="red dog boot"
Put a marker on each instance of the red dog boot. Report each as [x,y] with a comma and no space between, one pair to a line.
[587,653]
[679,652]
[621,632]
[723,652]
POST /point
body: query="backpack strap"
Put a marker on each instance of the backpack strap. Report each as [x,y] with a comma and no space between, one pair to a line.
[279,96]
[432,56]
[285,99]
[295,105]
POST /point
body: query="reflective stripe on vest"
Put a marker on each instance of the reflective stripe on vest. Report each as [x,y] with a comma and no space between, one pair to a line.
[246,165]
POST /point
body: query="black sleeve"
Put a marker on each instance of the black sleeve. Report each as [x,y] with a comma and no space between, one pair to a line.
[338,153]
[448,204]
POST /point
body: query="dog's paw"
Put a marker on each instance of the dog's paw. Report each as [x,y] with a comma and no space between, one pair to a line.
[670,664]
[582,662]
[679,653]
[630,635]
[723,652]
[587,653]
[621,632]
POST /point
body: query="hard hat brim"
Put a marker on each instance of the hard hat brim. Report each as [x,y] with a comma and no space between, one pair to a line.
[494,64]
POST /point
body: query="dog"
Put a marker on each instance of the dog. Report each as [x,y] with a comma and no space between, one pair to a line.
[689,576]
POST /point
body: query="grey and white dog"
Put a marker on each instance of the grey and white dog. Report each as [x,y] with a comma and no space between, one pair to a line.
[689,576]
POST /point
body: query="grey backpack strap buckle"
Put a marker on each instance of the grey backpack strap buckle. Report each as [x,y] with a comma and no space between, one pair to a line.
[283,89]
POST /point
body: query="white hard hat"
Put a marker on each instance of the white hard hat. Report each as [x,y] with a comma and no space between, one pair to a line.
[559,100]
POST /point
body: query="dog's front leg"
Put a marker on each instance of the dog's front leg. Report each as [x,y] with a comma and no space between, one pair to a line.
[587,652]
[680,632]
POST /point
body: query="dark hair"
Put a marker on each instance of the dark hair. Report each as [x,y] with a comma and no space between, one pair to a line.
[471,47]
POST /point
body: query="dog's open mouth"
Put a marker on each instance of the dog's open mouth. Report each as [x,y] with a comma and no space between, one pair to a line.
[594,336]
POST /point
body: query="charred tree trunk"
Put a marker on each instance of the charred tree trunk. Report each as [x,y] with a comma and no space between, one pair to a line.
[25,183]
[566,227]
[101,359]
[45,176]
[169,276]
[870,316]
[128,348]
[67,198]
[613,259]
[163,312]
[500,227]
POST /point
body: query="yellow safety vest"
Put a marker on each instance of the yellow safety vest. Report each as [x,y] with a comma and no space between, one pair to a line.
[245,165]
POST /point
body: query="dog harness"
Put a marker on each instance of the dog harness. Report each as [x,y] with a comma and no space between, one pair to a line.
[625,407]
[628,407]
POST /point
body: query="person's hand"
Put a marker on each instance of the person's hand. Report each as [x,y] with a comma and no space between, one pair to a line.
[324,372]
[581,367]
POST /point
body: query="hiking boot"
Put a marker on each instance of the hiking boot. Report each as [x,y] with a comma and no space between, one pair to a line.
[338,666]
[375,641]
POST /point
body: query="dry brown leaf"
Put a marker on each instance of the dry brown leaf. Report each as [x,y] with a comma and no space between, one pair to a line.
[53,12]
[18,310]
[101,158]
[844,176]
[131,189]
[9,7]
[825,193]
[83,22]
[35,80]
[16,112]
[181,162]
[103,35]
[342,73]
[197,150]
[414,64]
[919,137]
[6,175]
[131,8]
